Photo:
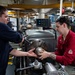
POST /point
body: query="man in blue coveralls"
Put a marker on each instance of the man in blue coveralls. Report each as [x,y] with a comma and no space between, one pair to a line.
[6,35]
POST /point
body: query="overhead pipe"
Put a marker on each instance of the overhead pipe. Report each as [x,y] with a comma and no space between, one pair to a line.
[72,5]
[61,5]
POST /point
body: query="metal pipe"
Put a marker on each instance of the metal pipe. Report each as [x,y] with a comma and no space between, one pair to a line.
[61,3]
[21,69]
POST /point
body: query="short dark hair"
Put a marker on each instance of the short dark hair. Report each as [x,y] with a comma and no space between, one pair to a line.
[63,19]
[2,10]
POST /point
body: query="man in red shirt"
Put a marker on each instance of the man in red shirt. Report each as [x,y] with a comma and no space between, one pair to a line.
[65,53]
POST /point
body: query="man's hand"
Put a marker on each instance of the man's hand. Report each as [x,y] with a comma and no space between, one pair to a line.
[31,53]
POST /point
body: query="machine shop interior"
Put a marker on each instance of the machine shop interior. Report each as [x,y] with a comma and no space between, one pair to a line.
[35,21]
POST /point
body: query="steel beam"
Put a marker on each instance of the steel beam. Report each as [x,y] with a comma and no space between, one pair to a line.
[23,6]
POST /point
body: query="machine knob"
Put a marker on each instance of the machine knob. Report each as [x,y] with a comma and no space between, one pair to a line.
[39,50]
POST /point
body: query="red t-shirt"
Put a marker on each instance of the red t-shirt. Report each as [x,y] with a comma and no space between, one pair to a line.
[66,49]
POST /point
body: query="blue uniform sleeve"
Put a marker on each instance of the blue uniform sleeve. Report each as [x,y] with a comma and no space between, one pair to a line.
[7,34]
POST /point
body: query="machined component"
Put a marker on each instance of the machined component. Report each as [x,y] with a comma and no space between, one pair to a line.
[50,69]
[39,50]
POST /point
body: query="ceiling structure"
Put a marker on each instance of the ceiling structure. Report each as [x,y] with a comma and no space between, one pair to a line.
[28,2]
[35,5]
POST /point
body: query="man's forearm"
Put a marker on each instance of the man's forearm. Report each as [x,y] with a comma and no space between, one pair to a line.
[18,53]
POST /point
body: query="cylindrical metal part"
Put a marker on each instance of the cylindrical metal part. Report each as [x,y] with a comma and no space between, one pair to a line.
[37,64]
[50,69]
